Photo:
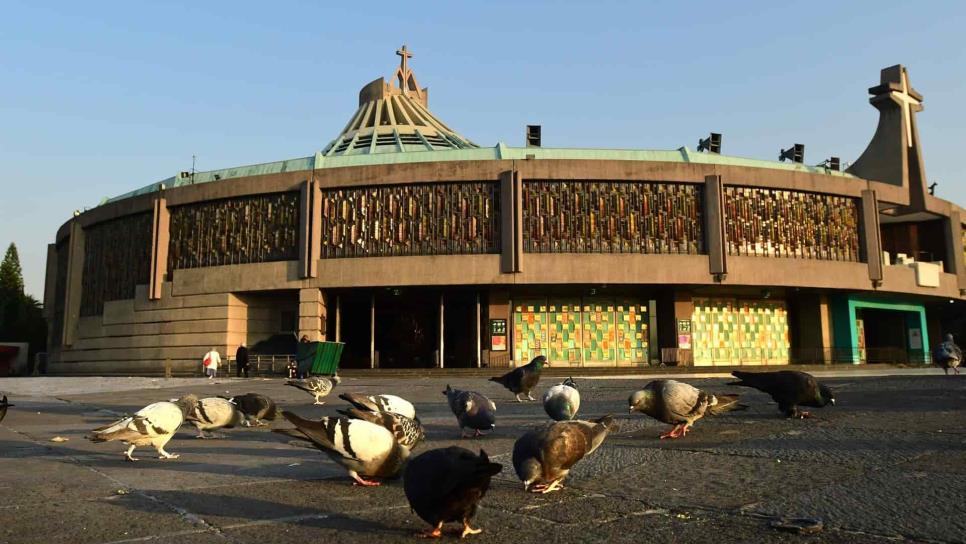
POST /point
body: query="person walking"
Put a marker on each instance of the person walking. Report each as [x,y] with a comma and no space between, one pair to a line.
[211,362]
[241,360]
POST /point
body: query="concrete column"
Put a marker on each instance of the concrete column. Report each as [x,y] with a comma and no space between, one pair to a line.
[871,236]
[338,319]
[50,282]
[312,314]
[954,247]
[372,331]
[479,345]
[442,331]
[75,277]
[714,233]
[160,236]
[499,306]
[310,229]
[511,217]
[825,320]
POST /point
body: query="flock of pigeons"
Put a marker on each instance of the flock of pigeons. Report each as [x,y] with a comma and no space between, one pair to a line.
[373,438]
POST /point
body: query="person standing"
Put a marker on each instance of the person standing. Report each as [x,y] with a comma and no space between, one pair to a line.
[211,362]
[241,359]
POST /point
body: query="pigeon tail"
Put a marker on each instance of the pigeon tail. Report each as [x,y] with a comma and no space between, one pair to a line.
[726,403]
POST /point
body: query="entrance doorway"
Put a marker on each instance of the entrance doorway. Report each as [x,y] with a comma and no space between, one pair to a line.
[407,328]
[459,329]
[889,336]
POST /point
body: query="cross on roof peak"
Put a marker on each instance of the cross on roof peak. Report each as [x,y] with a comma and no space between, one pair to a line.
[404,55]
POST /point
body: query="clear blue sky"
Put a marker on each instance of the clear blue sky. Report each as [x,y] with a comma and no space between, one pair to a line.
[100,98]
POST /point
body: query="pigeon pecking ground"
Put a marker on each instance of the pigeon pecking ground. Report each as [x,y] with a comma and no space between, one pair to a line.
[886,464]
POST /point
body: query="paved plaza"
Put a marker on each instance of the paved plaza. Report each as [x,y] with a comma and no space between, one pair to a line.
[886,464]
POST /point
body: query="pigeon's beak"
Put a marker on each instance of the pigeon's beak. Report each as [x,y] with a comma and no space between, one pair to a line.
[832,401]
[630,409]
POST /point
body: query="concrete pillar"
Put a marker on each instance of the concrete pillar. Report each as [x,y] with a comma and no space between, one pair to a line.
[499,306]
[954,247]
[312,314]
[310,229]
[338,319]
[50,283]
[75,283]
[160,235]
[442,331]
[714,233]
[825,322]
[372,331]
[479,346]
[871,236]
[511,221]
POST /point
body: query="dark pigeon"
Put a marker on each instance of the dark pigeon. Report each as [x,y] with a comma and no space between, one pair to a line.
[544,457]
[789,388]
[679,404]
[447,484]
[256,408]
[472,410]
[522,380]
[3,407]
[408,432]
[562,401]
[947,355]
[362,448]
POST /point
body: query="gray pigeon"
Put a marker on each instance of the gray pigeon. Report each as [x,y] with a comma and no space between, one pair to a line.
[316,386]
[3,407]
[381,403]
[408,432]
[947,355]
[562,401]
[679,404]
[214,413]
[544,457]
[472,410]
[362,448]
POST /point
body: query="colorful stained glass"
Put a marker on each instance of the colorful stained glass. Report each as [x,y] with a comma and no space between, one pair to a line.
[612,217]
[117,257]
[421,219]
[778,223]
[730,331]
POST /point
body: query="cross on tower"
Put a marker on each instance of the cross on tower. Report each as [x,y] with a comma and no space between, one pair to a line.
[907,102]
[404,60]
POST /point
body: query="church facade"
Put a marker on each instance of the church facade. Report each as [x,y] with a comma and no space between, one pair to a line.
[418,248]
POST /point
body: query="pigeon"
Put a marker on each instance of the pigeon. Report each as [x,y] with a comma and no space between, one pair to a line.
[255,408]
[3,407]
[789,388]
[363,448]
[472,410]
[447,484]
[381,403]
[214,413]
[679,404]
[543,458]
[522,380]
[562,401]
[408,432]
[947,355]
[153,425]
[316,386]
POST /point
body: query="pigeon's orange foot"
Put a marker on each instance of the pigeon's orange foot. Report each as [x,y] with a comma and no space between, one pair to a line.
[467,530]
[436,532]
[673,433]
[359,480]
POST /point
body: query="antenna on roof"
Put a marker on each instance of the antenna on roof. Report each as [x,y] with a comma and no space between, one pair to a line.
[192,169]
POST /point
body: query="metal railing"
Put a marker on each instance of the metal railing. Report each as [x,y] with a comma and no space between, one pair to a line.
[262,365]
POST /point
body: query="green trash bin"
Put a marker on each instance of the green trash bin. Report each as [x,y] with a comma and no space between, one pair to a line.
[320,357]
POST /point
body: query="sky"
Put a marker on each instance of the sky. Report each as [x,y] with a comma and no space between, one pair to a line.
[97,99]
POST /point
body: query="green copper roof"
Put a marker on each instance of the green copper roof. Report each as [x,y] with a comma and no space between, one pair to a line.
[499,152]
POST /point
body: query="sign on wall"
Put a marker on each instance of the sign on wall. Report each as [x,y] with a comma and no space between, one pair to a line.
[498,334]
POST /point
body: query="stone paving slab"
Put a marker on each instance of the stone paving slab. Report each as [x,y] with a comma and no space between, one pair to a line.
[888,463]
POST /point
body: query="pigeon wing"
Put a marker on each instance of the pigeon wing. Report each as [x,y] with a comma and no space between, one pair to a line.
[680,400]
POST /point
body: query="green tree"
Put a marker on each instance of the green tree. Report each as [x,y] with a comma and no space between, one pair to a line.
[21,317]
[11,275]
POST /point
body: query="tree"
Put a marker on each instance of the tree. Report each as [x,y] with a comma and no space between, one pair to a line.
[11,275]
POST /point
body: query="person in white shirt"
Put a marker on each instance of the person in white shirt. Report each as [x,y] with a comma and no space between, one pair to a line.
[211,362]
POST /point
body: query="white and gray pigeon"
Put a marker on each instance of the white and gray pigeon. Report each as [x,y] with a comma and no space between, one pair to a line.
[562,401]
[153,425]
[409,432]
[317,386]
[214,413]
[381,403]
[364,449]
[472,410]
[543,458]
[679,404]
[948,355]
